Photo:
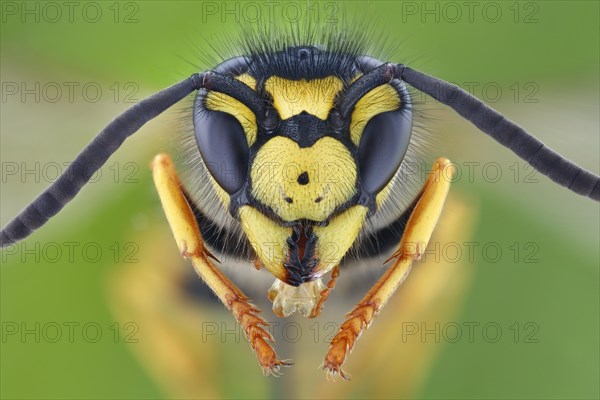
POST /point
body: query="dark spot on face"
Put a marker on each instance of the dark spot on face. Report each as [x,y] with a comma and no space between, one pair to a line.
[318,199]
[288,199]
[303,178]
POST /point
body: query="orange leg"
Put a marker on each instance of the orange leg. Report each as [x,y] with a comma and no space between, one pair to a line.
[412,245]
[187,235]
[325,292]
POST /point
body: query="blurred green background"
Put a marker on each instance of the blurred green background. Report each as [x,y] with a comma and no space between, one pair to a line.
[543,56]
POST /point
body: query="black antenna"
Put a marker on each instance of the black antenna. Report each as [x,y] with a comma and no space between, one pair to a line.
[488,120]
[506,132]
[94,155]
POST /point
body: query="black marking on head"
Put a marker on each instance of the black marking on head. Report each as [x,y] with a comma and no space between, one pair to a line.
[271,121]
[303,178]
[304,52]
[302,62]
[304,129]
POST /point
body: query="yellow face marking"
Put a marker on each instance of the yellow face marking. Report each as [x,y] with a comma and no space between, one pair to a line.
[268,239]
[314,96]
[335,239]
[381,99]
[248,80]
[221,102]
[330,181]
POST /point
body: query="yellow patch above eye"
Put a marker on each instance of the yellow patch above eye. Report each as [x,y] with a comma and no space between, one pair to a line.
[381,99]
[303,183]
[221,102]
[315,96]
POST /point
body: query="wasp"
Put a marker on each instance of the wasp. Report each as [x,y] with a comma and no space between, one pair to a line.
[299,148]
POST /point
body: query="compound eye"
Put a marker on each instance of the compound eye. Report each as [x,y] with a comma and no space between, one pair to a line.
[382,148]
[224,148]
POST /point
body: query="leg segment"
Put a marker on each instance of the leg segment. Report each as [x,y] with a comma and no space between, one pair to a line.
[188,238]
[412,245]
[335,273]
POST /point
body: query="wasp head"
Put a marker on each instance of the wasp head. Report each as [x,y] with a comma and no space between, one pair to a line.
[299,168]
